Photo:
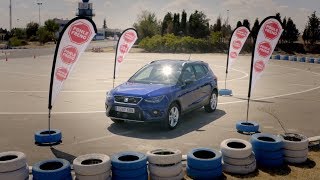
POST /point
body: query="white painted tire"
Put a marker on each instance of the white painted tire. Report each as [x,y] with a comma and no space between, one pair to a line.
[165,171]
[296,160]
[81,167]
[164,156]
[294,145]
[296,154]
[20,174]
[236,148]
[178,177]
[239,169]
[103,176]
[239,161]
[11,161]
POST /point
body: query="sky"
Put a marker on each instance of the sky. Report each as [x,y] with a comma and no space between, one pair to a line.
[123,13]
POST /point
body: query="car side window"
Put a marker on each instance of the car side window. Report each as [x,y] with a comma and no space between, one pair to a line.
[200,71]
[188,75]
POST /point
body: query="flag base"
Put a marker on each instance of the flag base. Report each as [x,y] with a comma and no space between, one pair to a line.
[225,92]
[247,127]
[46,137]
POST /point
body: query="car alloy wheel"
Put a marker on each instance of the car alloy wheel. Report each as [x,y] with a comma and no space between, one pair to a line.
[173,116]
[213,101]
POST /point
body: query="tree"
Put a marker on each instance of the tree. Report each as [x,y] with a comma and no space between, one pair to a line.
[283,37]
[226,31]
[312,31]
[239,24]
[176,23]
[147,25]
[218,25]
[278,17]
[292,33]
[52,27]
[167,24]
[183,24]
[44,35]
[246,23]
[32,29]
[104,24]
[199,25]
[255,29]
[19,33]
[305,36]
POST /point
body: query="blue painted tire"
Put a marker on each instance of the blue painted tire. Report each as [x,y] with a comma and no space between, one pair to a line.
[142,177]
[204,159]
[130,173]
[266,142]
[249,126]
[302,59]
[129,160]
[295,58]
[261,155]
[225,92]
[45,137]
[204,174]
[54,169]
[311,60]
[277,57]
[270,163]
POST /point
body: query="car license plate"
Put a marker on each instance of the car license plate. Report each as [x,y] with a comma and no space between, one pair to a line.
[124,109]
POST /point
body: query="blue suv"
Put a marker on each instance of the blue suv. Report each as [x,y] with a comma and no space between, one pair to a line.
[163,90]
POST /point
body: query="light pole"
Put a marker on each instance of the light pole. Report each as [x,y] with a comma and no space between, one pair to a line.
[39,4]
[228,16]
[10,14]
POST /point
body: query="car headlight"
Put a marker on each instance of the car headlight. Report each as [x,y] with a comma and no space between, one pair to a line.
[108,95]
[156,99]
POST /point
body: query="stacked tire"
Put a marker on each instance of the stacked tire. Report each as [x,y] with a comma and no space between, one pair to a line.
[204,163]
[54,169]
[237,156]
[92,167]
[13,166]
[295,147]
[129,166]
[165,164]
[268,150]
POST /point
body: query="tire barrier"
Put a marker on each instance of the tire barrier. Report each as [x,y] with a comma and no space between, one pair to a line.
[13,166]
[204,163]
[129,165]
[237,156]
[165,164]
[277,57]
[318,61]
[311,60]
[291,58]
[54,169]
[92,167]
[225,92]
[295,147]
[247,127]
[302,59]
[267,149]
[48,137]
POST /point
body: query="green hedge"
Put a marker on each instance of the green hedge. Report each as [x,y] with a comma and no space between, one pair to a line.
[170,43]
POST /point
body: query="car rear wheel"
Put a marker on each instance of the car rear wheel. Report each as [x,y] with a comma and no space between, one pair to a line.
[173,116]
[212,105]
[116,120]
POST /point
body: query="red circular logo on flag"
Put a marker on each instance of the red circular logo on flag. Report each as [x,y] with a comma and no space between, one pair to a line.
[79,33]
[69,54]
[129,36]
[62,73]
[233,55]
[242,33]
[272,29]
[124,48]
[264,49]
[259,66]
[236,44]
[120,59]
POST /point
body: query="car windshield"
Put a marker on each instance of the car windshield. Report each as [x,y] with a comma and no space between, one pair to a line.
[158,73]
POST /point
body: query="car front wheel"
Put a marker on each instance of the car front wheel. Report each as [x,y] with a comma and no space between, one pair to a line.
[173,116]
[212,105]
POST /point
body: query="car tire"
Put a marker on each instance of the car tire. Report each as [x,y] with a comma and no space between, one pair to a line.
[103,176]
[244,169]
[296,160]
[46,136]
[52,169]
[164,156]
[260,154]
[11,161]
[236,148]
[165,171]
[204,174]
[296,154]
[294,142]
[19,174]
[213,102]
[132,173]
[118,121]
[128,160]
[239,162]
[204,159]
[173,116]
[178,177]
[92,164]
[247,126]
[266,142]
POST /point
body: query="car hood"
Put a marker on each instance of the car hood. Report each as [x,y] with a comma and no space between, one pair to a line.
[143,90]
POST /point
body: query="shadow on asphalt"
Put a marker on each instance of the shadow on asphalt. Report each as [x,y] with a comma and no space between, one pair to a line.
[252,100]
[279,171]
[60,154]
[251,175]
[189,122]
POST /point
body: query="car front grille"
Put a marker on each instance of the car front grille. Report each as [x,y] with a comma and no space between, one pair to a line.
[127,99]
[137,116]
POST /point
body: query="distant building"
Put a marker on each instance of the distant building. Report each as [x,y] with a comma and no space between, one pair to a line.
[85,9]
[61,23]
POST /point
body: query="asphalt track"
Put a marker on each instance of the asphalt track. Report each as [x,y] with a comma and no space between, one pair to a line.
[287,92]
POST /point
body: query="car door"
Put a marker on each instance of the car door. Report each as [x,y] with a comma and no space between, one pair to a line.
[203,91]
[188,87]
